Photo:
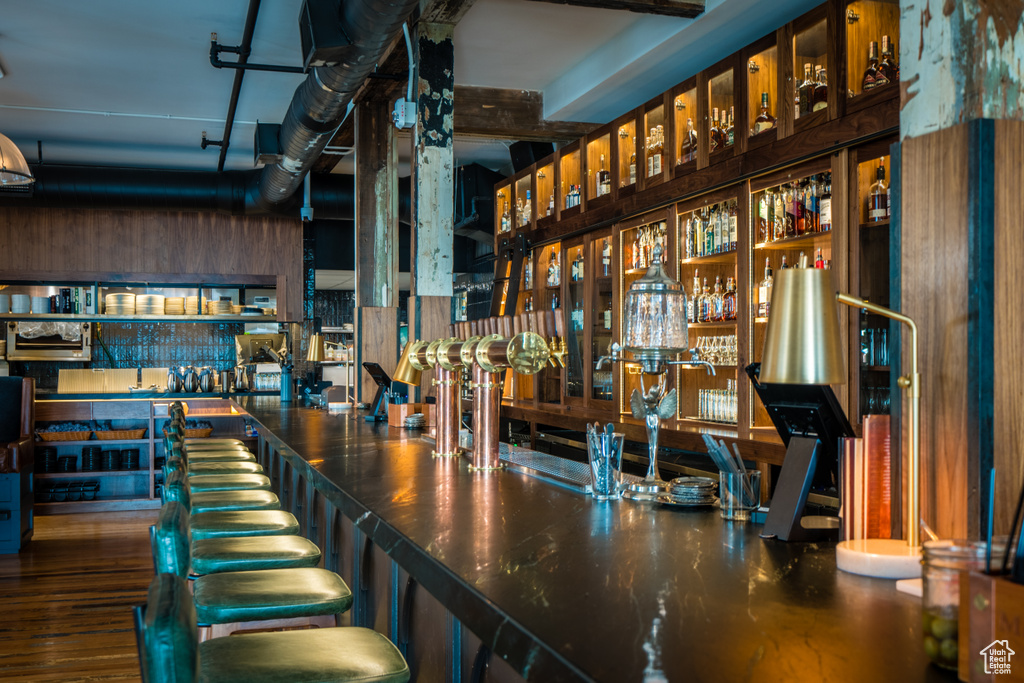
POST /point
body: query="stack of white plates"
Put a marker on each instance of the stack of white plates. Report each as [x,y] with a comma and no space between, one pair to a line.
[415,421]
[120,304]
[40,304]
[220,308]
[149,304]
[20,303]
[174,305]
[194,305]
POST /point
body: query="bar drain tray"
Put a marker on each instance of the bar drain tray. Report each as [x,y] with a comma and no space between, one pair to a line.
[551,468]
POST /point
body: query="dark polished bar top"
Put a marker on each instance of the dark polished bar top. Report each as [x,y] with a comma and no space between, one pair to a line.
[567,588]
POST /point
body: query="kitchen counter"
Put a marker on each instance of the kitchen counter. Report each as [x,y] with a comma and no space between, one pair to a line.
[566,588]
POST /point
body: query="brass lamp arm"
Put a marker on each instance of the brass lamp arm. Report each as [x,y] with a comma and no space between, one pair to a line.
[910,382]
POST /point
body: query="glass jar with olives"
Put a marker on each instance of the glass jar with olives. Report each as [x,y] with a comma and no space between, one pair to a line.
[945,563]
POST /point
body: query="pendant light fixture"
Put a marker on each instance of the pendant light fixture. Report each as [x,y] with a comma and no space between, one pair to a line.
[13,167]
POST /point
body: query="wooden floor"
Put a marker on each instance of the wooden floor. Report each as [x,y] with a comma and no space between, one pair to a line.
[65,600]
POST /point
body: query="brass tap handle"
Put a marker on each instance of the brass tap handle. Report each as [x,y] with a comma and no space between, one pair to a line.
[553,349]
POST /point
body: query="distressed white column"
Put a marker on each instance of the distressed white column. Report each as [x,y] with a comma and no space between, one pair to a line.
[433,178]
[959,60]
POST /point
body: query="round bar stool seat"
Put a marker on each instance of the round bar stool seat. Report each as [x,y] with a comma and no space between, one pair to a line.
[215,555]
[176,488]
[229,482]
[234,523]
[218,467]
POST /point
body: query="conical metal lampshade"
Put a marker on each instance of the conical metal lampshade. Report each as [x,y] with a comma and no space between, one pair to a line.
[412,363]
[802,344]
[13,167]
[316,349]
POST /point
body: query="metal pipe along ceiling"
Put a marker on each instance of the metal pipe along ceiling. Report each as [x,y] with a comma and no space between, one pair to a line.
[321,101]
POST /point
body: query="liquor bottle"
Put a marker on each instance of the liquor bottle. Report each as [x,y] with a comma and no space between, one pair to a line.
[812,216]
[783,266]
[704,304]
[709,232]
[888,66]
[519,211]
[634,253]
[693,303]
[779,230]
[878,196]
[718,301]
[551,205]
[527,209]
[733,227]
[764,121]
[574,273]
[825,204]
[730,128]
[632,163]
[554,302]
[819,260]
[789,195]
[528,272]
[577,316]
[655,154]
[650,155]
[764,290]
[800,207]
[506,219]
[659,149]
[805,93]
[606,257]
[873,78]
[579,265]
[554,275]
[763,234]
[604,180]
[608,315]
[819,97]
[689,148]
[715,135]
[729,300]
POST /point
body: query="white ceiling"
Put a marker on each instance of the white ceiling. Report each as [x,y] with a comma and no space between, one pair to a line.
[118,83]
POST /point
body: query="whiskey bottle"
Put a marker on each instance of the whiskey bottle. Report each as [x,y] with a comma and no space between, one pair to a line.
[659,149]
[729,300]
[888,66]
[800,207]
[608,315]
[805,93]
[819,96]
[506,219]
[704,304]
[715,135]
[656,148]
[632,164]
[779,229]
[878,196]
[729,129]
[825,204]
[718,301]
[551,205]
[554,275]
[812,208]
[604,180]
[688,151]
[693,303]
[733,227]
[606,257]
[873,78]
[790,208]
[764,121]
[763,234]
[764,290]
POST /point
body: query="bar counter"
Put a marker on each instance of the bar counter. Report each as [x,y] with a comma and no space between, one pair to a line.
[566,588]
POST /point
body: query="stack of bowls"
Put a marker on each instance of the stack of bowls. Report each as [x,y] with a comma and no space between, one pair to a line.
[66,463]
[111,460]
[130,459]
[174,305]
[120,304]
[91,458]
[149,304]
[40,304]
[21,303]
[47,459]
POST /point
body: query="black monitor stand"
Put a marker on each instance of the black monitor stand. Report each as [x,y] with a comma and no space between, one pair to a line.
[811,422]
[383,386]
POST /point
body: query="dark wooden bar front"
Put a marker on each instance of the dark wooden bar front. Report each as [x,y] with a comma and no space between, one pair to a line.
[497,576]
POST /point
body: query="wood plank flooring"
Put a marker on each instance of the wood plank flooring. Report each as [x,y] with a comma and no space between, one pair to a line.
[66,600]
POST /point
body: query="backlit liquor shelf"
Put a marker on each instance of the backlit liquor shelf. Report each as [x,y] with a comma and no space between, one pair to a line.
[595,210]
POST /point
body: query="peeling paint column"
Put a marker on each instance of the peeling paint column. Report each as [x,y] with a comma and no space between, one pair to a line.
[433,179]
[960,60]
[957,243]
[433,189]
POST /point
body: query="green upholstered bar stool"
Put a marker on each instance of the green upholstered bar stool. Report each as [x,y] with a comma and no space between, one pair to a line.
[213,443]
[231,601]
[176,487]
[213,467]
[169,651]
[214,555]
[175,448]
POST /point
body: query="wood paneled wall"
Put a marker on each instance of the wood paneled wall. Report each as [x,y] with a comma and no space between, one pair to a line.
[934,181]
[154,246]
[429,318]
[963,260]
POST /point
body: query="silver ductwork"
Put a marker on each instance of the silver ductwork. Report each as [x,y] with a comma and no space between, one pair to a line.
[321,102]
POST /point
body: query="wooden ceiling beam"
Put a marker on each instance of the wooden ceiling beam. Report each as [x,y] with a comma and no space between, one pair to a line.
[687,9]
[504,114]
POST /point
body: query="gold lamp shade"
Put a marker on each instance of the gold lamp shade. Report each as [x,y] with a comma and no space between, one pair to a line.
[412,363]
[13,167]
[802,344]
[316,349]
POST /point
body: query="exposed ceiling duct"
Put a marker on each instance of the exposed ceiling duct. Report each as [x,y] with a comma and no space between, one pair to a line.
[321,102]
[232,192]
